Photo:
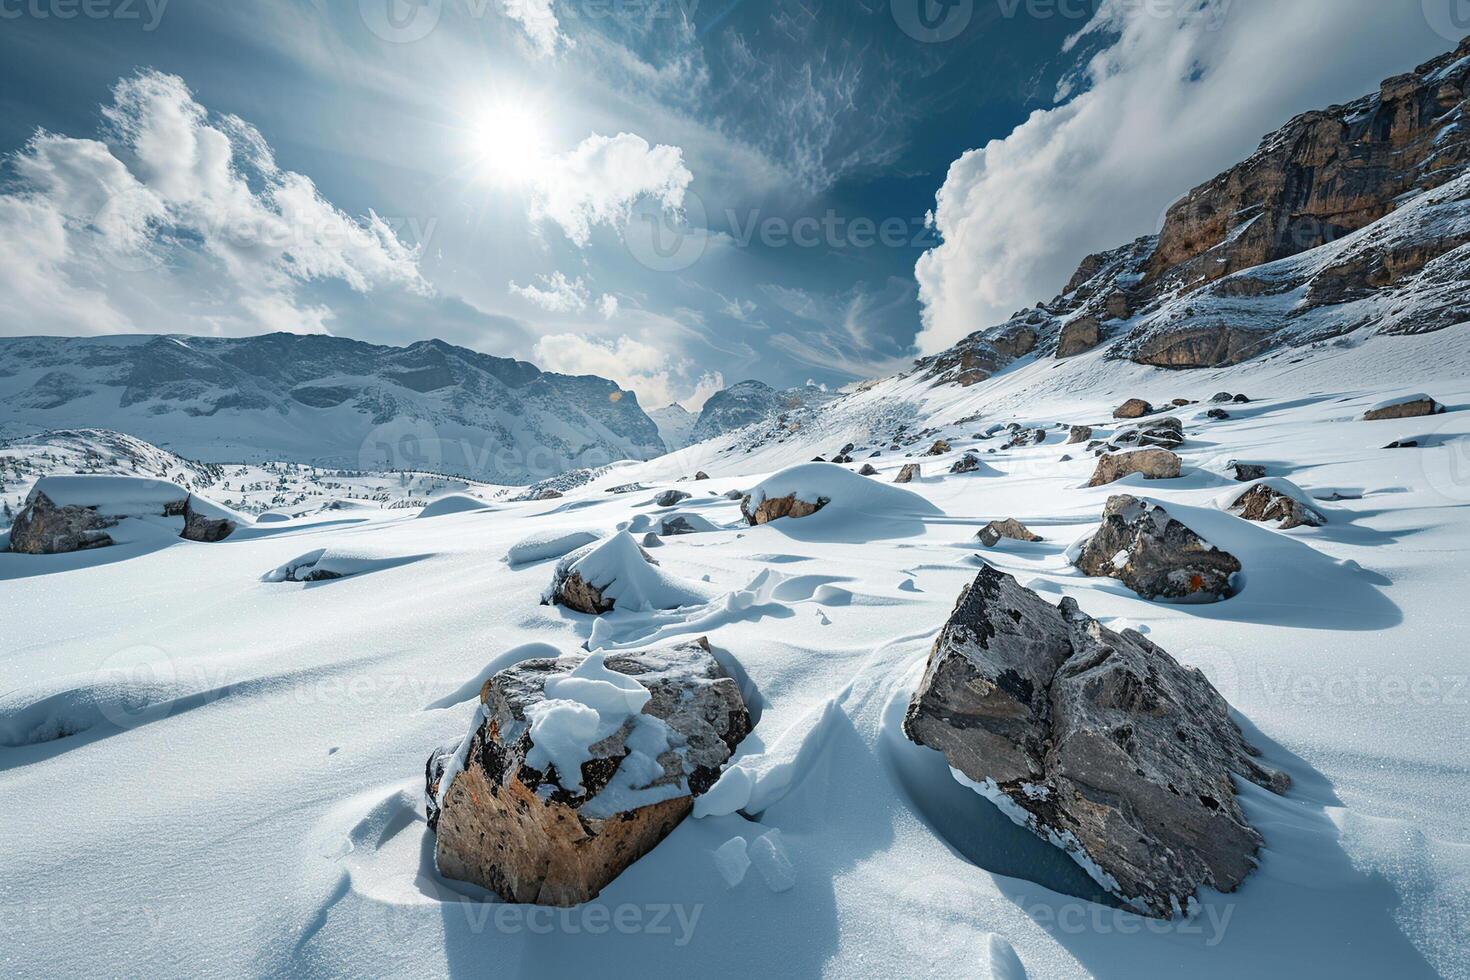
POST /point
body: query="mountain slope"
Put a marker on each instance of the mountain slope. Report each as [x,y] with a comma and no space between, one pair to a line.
[326,400]
[1354,219]
[675,425]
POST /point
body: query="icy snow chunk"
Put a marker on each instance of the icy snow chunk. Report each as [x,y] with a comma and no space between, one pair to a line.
[768,854]
[546,545]
[732,860]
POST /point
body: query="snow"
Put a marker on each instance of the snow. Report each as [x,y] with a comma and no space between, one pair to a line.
[546,545]
[454,503]
[618,570]
[1231,498]
[205,774]
[113,496]
[1398,400]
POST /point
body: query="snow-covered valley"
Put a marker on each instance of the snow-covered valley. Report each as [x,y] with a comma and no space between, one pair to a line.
[215,770]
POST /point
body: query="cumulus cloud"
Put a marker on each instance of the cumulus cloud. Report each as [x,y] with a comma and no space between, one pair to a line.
[657,377]
[608,306]
[556,294]
[538,20]
[600,180]
[1178,91]
[178,217]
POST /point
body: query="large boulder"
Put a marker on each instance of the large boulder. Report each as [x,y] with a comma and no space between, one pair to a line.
[575,768]
[73,513]
[44,528]
[908,474]
[618,574]
[1155,555]
[1079,337]
[1163,433]
[1099,742]
[1154,464]
[1133,408]
[991,534]
[1409,407]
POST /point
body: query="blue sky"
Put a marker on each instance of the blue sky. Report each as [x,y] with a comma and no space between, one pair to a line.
[679,194]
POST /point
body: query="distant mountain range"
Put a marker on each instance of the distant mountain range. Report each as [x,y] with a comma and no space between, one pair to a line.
[325,400]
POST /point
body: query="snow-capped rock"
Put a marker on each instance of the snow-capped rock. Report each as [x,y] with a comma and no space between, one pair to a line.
[1275,501]
[1404,407]
[575,768]
[618,574]
[73,513]
[1155,555]
[1154,464]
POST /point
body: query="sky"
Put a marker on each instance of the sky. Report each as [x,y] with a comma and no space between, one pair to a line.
[676,194]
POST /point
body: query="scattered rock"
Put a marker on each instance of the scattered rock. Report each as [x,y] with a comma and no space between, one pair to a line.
[652,540]
[1241,400]
[1403,444]
[1246,472]
[1155,555]
[1164,433]
[1079,433]
[43,528]
[1218,415]
[205,523]
[868,470]
[734,494]
[1098,741]
[1412,407]
[968,463]
[646,732]
[671,498]
[1154,464]
[549,495]
[1181,402]
[939,448]
[991,534]
[1025,437]
[1134,408]
[908,474]
[701,476]
[1223,398]
[1275,500]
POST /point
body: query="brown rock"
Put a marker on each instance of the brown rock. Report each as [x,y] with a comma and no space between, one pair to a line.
[1154,464]
[42,528]
[1079,434]
[1079,337]
[1263,503]
[1133,408]
[939,448]
[778,508]
[1155,555]
[1411,409]
[547,838]
[1010,528]
[908,474]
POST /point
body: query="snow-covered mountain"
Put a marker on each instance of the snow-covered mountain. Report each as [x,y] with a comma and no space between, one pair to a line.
[675,425]
[749,402]
[326,401]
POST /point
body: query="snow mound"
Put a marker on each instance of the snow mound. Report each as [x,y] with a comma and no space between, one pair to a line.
[455,503]
[581,709]
[1231,498]
[546,545]
[617,569]
[131,496]
[325,564]
[843,490]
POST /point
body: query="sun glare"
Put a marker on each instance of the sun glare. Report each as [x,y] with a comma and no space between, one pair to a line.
[509,143]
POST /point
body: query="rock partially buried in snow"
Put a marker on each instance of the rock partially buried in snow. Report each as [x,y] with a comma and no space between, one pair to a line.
[868,470]
[1133,408]
[618,574]
[940,448]
[671,498]
[1272,501]
[991,534]
[1099,742]
[1408,407]
[968,463]
[64,514]
[1153,464]
[575,768]
[908,474]
[1155,555]
[1078,434]
[1246,472]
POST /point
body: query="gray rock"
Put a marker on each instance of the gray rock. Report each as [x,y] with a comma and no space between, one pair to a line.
[198,527]
[1223,398]
[968,463]
[1164,433]
[1098,741]
[1078,434]
[908,474]
[940,448]
[671,498]
[42,528]
[1218,415]
[1155,555]
[1263,503]
[868,470]
[1246,472]
[550,838]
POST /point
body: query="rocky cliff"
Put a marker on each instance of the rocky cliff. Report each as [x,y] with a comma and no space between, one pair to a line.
[1352,218]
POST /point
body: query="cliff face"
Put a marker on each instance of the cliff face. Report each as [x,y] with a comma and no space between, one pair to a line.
[1351,218]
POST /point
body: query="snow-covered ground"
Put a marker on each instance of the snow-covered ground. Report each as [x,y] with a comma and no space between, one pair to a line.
[209,773]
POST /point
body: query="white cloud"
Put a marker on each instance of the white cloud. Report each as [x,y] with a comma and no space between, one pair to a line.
[600,180]
[657,377]
[1169,102]
[538,20]
[556,294]
[608,306]
[198,229]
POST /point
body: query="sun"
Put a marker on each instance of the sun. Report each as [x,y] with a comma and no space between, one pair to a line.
[509,143]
